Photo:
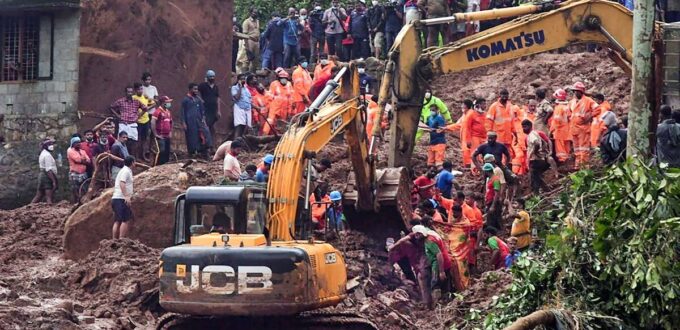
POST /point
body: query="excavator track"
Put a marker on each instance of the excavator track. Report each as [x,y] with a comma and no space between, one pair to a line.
[316,320]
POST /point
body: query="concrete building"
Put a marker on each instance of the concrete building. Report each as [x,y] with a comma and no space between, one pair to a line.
[39,68]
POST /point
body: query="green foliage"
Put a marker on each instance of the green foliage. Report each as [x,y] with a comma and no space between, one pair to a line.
[615,254]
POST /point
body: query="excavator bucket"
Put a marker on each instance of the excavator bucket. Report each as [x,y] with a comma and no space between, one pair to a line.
[393,190]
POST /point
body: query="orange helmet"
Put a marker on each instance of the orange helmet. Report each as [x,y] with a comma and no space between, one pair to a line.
[282,73]
[579,86]
[560,95]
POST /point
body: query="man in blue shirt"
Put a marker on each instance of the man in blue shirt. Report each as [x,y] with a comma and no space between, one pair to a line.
[437,148]
[242,106]
[446,180]
[262,174]
[358,29]
[393,22]
[291,37]
[273,43]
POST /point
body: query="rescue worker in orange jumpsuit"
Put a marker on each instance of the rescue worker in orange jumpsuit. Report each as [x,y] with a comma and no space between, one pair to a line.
[282,100]
[582,108]
[459,126]
[373,114]
[519,145]
[324,67]
[474,129]
[559,126]
[597,127]
[302,83]
[499,119]
[259,103]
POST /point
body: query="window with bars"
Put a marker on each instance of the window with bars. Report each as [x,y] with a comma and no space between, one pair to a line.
[20,44]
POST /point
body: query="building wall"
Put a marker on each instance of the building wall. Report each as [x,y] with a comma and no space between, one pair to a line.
[34,110]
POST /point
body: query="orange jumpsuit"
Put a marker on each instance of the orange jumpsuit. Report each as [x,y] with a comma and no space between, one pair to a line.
[318,69]
[373,114]
[259,100]
[459,126]
[280,105]
[302,83]
[519,146]
[319,210]
[475,132]
[581,118]
[559,129]
[499,118]
[597,126]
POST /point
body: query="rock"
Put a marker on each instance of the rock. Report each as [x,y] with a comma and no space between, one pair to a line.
[25,301]
[131,292]
[89,277]
[87,319]
[65,305]
[108,314]
[78,308]
[385,299]
[88,312]
[359,294]
[536,83]
[392,318]
[364,307]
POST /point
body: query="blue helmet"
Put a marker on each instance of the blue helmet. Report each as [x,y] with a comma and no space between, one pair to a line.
[268,159]
[335,196]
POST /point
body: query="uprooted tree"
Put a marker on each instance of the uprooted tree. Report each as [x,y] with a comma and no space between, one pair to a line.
[611,256]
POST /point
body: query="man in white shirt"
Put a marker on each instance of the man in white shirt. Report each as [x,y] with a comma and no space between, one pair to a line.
[47,179]
[120,201]
[232,168]
[149,90]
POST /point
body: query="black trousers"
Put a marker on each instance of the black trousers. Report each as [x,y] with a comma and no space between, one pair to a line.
[536,169]
[163,151]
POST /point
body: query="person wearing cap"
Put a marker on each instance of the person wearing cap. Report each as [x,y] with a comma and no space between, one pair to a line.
[251,27]
[409,253]
[497,171]
[273,37]
[336,218]
[500,118]
[430,103]
[262,174]
[231,165]
[492,197]
[210,93]
[77,163]
[281,91]
[559,126]
[242,100]
[582,108]
[196,131]
[302,83]
[47,178]
[292,30]
[161,126]
[358,28]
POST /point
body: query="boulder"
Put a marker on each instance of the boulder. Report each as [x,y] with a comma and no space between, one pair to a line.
[152,205]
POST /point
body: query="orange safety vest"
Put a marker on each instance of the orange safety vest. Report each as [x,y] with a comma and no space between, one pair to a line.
[320,70]
[597,126]
[580,109]
[474,125]
[519,145]
[499,118]
[282,99]
[559,124]
[302,83]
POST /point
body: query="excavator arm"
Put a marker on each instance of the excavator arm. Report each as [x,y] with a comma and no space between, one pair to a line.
[543,27]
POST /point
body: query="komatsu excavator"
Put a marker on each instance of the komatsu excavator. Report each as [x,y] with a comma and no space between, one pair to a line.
[260,261]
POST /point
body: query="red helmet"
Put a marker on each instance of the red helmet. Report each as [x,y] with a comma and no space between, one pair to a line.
[579,86]
[560,95]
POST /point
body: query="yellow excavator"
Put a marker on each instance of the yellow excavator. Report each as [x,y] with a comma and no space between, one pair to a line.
[262,262]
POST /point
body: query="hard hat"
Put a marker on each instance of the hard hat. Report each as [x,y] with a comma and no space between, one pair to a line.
[579,86]
[75,140]
[210,73]
[560,94]
[268,159]
[487,167]
[489,158]
[335,195]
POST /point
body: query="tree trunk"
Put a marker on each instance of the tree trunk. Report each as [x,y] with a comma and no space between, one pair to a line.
[545,317]
[643,84]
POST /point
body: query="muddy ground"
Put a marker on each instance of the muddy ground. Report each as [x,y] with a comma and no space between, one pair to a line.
[114,286]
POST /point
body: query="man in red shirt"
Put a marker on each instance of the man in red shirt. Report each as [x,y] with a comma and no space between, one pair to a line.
[425,184]
[161,126]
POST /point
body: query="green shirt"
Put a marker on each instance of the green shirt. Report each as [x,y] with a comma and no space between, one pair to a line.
[431,252]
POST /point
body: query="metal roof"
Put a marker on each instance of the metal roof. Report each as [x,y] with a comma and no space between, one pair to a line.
[39,4]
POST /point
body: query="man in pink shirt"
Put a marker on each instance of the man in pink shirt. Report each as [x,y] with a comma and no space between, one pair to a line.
[78,161]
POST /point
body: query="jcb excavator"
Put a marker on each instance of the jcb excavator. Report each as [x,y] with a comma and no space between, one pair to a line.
[263,263]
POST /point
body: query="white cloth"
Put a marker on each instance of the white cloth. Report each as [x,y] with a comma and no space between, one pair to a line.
[231,167]
[412,14]
[130,129]
[150,92]
[124,175]
[242,117]
[47,162]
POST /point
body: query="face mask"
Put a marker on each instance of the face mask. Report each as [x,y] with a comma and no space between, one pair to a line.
[317,8]
[324,62]
[362,70]
[167,105]
[428,95]
[375,3]
[304,64]
[303,16]
[50,148]
[283,81]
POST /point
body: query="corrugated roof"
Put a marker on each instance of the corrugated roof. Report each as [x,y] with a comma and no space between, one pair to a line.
[38,4]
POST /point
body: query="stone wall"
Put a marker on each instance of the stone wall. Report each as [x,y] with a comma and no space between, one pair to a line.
[48,107]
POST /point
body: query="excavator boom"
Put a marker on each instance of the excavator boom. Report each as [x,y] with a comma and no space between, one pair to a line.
[544,27]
